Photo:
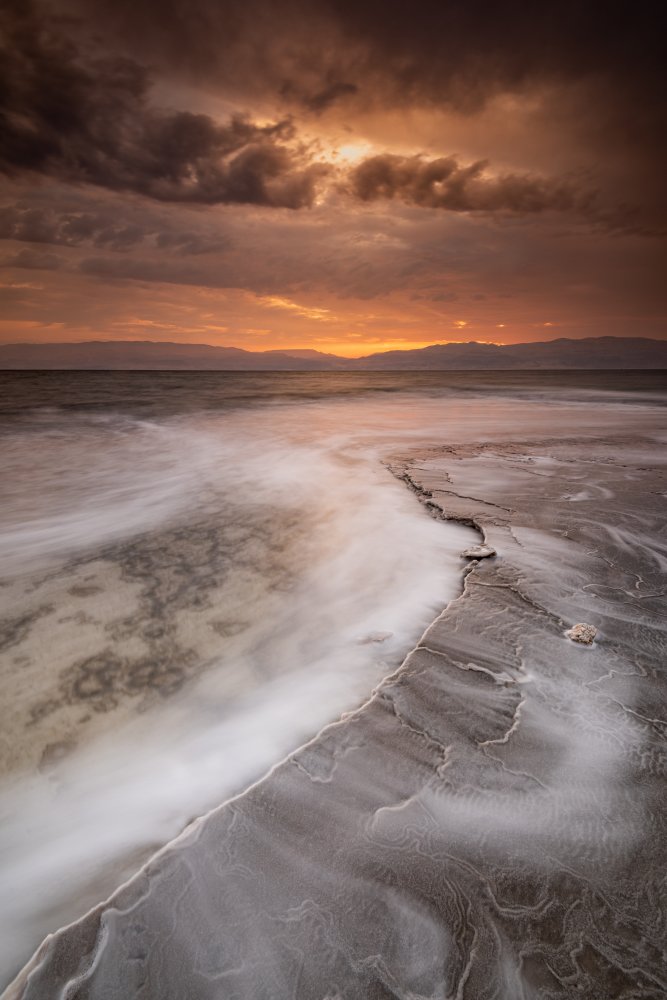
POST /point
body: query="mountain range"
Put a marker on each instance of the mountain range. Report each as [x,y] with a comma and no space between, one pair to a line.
[587,353]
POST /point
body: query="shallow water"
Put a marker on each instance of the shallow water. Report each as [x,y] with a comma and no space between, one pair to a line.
[199,571]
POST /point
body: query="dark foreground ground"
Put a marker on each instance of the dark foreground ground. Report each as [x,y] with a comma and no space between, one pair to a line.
[491,824]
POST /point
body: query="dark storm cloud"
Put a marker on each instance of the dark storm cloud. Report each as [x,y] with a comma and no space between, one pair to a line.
[333,91]
[462,51]
[445,183]
[88,119]
[75,110]
[599,71]
[445,50]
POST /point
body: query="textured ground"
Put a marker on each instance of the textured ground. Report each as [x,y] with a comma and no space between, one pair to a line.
[491,824]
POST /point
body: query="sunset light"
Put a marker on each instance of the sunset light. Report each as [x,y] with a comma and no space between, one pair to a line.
[333,411]
[374,181]
[352,153]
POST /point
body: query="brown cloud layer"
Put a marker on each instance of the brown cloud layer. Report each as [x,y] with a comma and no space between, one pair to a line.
[598,70]
[451,164]
[78,110]
[88,120]
[456,52]
[444,183]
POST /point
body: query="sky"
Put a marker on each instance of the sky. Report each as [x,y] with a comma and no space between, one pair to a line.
[349,176]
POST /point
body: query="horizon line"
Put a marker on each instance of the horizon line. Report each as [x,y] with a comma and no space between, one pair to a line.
[420,346]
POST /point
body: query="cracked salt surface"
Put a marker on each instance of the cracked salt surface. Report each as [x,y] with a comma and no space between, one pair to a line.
[474,829]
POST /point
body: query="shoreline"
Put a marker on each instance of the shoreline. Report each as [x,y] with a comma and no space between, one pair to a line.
[192,827]
[458,713]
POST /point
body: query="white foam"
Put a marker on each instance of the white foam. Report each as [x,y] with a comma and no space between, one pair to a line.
[359,558]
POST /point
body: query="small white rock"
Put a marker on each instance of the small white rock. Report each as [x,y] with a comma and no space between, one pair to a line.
[478,552]
[581,632]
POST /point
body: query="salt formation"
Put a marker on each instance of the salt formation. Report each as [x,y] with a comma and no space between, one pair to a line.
[582,632]
[478,552]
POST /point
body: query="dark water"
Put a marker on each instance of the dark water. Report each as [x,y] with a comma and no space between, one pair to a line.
[165,393]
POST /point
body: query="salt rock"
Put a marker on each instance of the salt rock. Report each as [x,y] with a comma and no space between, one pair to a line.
[478,552]
[582,632]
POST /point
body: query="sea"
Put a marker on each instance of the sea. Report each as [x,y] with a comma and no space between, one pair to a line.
[199,571]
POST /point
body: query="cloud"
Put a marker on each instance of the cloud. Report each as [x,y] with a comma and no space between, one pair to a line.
[450,53]
[68,228]
[444,183]
[80,105]
[88,120]
[34,260]
[108,221]
[310,312]
[593,80]
[192,243]
[320,99]
[141,269]
[332,93]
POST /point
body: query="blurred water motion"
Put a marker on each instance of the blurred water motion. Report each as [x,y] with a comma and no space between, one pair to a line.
[192,586]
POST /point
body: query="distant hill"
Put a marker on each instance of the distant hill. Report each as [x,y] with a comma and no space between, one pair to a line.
[147,355]
[589,353]
[138,355]
[307,352]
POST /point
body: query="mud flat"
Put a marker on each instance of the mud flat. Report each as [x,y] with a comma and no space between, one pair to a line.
[490,824]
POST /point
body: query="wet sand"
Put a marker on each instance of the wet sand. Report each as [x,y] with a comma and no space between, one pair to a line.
[490,824]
